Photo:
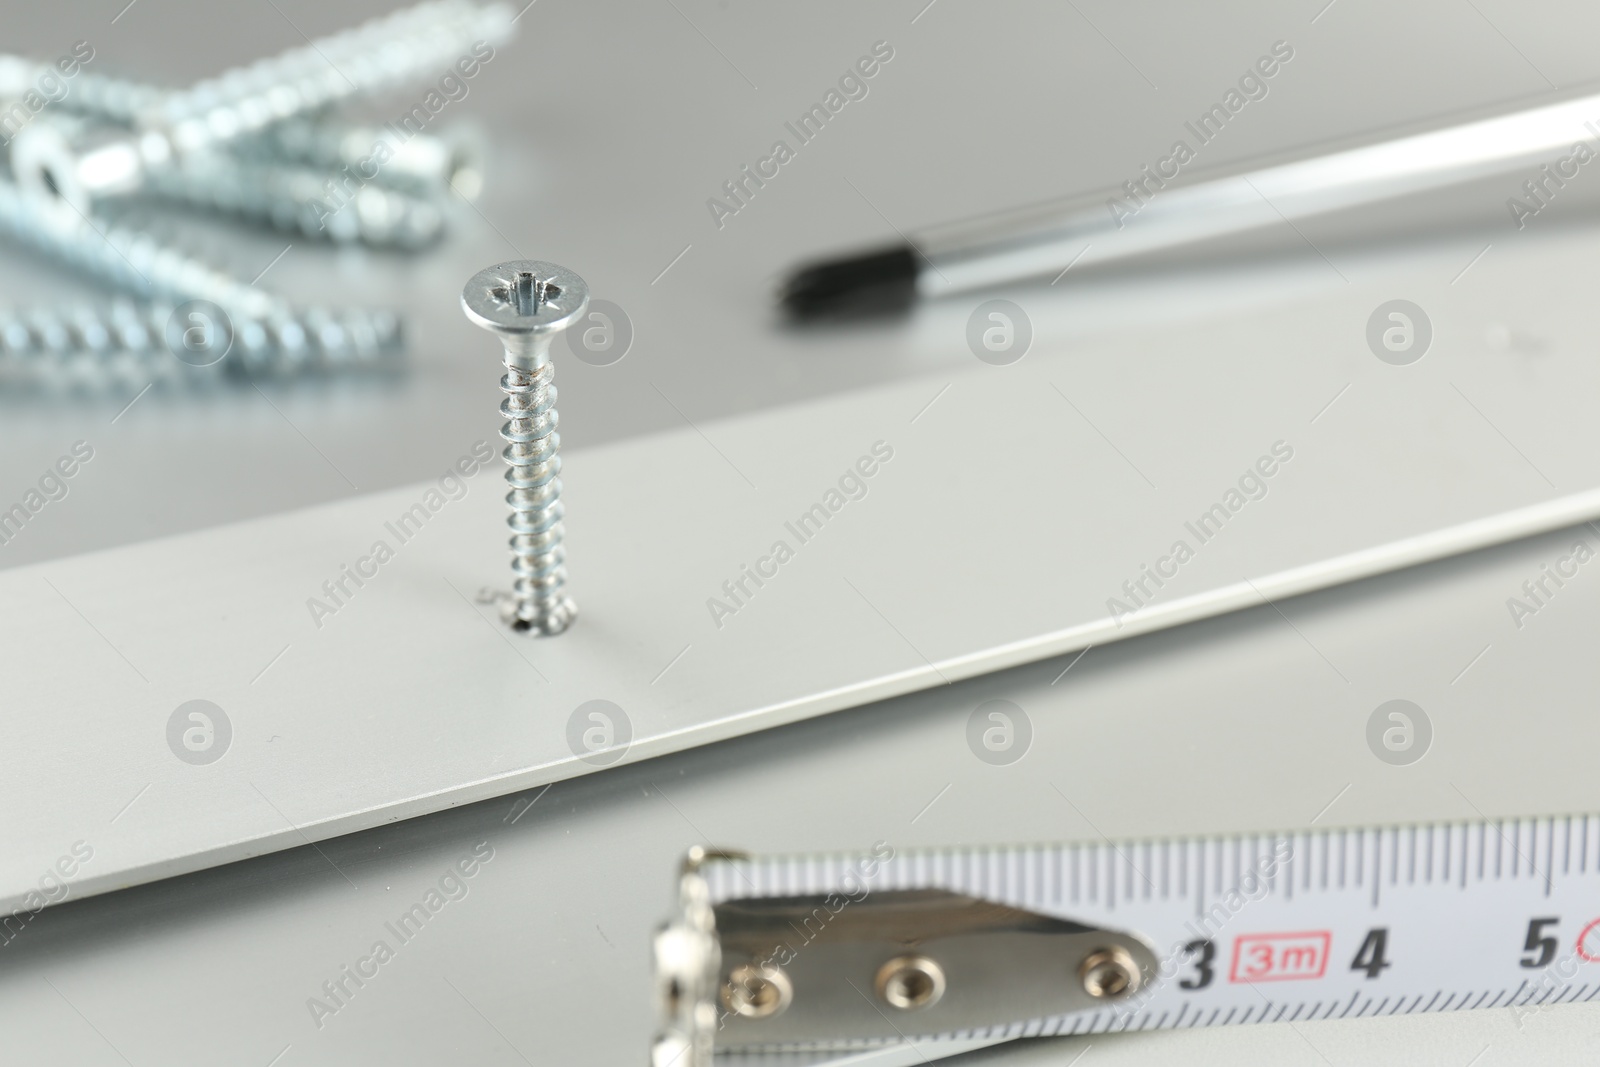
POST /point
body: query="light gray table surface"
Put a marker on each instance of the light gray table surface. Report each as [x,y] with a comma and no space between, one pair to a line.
[1254,722]
[611,125]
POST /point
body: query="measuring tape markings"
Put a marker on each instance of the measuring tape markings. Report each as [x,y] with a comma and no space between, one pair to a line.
[1365,921]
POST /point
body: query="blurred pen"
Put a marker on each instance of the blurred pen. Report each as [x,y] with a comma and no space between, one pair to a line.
[1154,212]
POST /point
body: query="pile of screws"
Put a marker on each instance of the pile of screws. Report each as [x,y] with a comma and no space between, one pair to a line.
[260,142]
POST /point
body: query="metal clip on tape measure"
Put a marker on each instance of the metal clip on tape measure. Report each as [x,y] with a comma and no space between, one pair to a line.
[844,952]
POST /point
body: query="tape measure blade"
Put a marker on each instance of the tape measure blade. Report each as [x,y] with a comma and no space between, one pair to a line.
[1306,925]
[899,1054]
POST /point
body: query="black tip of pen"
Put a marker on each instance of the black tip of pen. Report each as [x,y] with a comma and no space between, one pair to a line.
[878,283]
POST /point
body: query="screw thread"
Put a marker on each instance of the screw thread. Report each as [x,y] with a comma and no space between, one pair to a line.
[411,44]
[300,200]
[130,258]
[87,92]
[538,558]
[108,97]
[419,163]
[91,349]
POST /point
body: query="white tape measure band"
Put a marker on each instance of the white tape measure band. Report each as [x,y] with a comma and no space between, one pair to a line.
[1308,925]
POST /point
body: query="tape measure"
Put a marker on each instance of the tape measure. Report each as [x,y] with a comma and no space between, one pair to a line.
[849,951]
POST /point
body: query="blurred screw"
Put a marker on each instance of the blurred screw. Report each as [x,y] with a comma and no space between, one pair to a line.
[88,92]
[422,163]
[411,44]
[92,347]
[287,196]
[68,166]
[408,45]
[527,303]
[298,199]
[258,179]
[131,259]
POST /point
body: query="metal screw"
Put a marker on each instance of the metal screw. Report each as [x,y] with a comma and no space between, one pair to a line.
[910,982]
[131,258]
[287,196]
[757,992]
[301,174]
[414,43]
[93,347]
[422,163]
[527,303]
[1108,973]
[90,92]
[411,44]
[298,199]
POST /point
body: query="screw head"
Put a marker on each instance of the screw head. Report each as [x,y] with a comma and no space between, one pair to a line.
[1109,973]
[910,982]
[756,991]
[525,298]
